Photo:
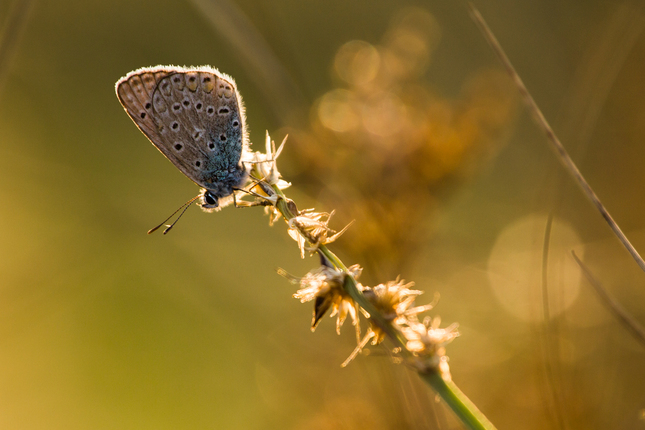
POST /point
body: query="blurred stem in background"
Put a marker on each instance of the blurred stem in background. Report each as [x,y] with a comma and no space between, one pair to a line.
[12,28]
[572,169]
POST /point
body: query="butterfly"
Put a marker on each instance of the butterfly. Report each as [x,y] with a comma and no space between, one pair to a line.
[195,117]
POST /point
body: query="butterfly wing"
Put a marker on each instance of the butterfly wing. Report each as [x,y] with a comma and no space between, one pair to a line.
[194,116]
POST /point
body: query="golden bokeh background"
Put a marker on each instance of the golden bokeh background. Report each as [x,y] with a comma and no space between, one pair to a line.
[399,117]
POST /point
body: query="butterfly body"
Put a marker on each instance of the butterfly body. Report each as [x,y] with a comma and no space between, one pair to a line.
[195,117]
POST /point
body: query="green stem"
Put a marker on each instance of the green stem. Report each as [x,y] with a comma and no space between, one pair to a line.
[461,405]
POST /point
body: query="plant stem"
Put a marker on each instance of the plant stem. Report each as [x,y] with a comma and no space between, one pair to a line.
[461,405]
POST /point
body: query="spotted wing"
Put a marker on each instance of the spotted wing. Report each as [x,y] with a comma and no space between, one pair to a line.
[193,116]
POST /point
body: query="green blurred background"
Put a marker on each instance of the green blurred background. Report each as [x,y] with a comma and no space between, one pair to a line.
[399,117]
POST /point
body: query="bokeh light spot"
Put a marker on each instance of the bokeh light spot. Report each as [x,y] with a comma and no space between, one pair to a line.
[357,62]
[515,267]
[336,111]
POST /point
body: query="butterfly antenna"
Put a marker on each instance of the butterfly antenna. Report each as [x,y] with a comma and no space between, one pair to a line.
[185,206]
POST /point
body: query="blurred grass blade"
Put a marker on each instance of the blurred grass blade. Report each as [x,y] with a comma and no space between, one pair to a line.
[600,65]
[264,68]
[612,304]
[551,349]
[11,31]
[561,152]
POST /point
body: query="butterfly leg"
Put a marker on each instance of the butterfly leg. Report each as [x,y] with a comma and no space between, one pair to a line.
[260,201]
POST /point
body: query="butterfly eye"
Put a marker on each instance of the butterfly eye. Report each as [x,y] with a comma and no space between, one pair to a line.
[210,199]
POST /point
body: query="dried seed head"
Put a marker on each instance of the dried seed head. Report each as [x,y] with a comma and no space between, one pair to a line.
[427,342]
[264,165]
[393,299]
[324,285]
[311,229]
